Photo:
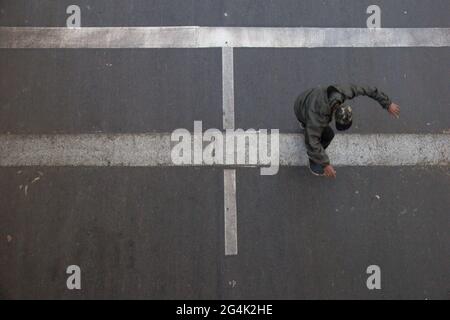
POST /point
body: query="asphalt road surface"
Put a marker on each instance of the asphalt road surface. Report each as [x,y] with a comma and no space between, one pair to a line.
[158,232]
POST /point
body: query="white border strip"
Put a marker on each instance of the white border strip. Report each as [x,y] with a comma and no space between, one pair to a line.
[154,150]
[207,37]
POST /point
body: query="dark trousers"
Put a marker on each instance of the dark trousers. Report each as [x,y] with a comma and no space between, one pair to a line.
[326,137]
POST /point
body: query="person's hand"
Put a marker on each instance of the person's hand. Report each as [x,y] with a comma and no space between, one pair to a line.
[394,110]
[329,171]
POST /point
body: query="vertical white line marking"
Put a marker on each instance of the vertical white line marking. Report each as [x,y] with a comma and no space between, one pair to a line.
[228,88]
[229,175]
[229,178]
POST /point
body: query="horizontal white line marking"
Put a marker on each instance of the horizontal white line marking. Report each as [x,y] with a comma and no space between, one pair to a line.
[206,37]
[155,150]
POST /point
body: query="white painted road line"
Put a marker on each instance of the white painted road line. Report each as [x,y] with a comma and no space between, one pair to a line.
[209,37]
[228,88]
[154,150]
[229,175]
[230,212]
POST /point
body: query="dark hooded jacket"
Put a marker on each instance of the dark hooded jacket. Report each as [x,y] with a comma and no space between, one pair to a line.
[314,109]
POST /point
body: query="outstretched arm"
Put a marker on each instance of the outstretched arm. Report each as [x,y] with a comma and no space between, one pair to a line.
[351,91]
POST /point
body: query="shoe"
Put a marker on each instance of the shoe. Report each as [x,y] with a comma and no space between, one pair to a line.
[315,168]
[302,126]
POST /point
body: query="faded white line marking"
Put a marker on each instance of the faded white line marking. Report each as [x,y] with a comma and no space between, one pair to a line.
[207,37]
[230,207]
[228,88]
[229,175]
[153,150]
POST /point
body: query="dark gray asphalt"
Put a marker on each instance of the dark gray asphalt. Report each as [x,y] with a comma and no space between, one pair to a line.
[307,238]
[158,232]
[164,89]
[269,80]
[141,233]
[135,233]
[247,13]
[120,90]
